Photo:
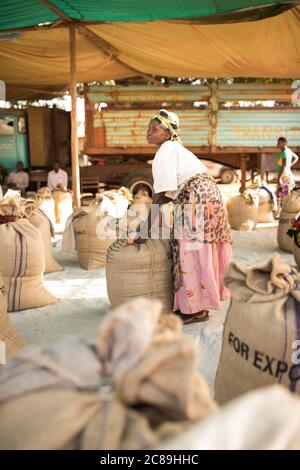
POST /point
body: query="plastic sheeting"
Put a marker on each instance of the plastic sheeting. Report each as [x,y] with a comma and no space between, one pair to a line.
[39,60]
[26,13]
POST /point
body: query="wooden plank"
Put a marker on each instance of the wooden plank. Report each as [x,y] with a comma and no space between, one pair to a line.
[74,137]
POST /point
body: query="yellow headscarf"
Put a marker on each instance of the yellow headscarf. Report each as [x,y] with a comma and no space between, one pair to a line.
[170,122]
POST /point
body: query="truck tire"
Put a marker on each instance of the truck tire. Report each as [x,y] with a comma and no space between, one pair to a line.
[227,175]
[140,179]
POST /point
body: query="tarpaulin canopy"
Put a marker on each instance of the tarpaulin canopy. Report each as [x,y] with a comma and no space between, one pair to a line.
[39,60]
[27,13]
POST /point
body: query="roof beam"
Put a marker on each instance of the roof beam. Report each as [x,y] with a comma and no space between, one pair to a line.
[97,41]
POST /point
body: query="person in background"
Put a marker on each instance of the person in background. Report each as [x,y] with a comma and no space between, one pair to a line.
[3,175]
[19,179]
[285,160]
[57,178]
[201,241]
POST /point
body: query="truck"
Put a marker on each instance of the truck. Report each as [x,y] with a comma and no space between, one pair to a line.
[36,136]
[235,125]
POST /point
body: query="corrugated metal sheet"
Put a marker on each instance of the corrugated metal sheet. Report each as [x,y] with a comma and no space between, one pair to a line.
[128,128]
[256,91]
[142,94]
[139,94]
[257,127]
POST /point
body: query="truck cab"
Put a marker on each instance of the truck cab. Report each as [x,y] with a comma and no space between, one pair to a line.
[13,139]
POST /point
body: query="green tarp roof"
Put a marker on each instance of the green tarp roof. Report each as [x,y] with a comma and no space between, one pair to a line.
[16,14]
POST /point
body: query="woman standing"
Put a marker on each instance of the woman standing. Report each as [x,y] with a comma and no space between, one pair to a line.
[285,160]
[201,240]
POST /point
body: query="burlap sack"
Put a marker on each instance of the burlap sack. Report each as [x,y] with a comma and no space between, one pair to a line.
[262,324]
[290,209]
[58,419]
[155,382]
[41,222]
[265,419]
[8,334]
[45,203]
[63,206]
[265,207]
[117,427]
[243,211]
[142,197]
[93,238]
[126,334]
[47,419]
[296,252]
[22,261]
[140,270]
[137,212]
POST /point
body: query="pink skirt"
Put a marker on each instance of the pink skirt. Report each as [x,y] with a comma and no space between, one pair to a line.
[203,268]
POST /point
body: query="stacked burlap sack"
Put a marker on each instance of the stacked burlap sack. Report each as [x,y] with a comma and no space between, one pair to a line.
[63,205]
[45,203]
[261,330]
[22,261]
[137,212]
[294,233]
[122,393]
[140,270]
[115,202]
[41,222]
[91,230]
[267,203]
[243,210]
[8,334]
[93,237]
[265,419]
[288,213]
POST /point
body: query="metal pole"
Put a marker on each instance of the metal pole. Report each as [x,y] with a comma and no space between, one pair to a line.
[74,138]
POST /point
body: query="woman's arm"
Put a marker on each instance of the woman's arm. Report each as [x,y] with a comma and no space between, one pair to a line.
[295,158]
[145,228]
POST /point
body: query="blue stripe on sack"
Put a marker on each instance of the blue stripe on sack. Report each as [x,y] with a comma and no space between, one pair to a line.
[14,283]
[17,287]
[283,358]
[293,383]
[25,248]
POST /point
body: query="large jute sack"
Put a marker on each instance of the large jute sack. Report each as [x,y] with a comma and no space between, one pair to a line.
[40,221]
[243,211]
[290,208]
[144,270]
[63,206]
[93,237]
[8,334]
[22,260]
[296,251]
[45,203]
[262,324]
[265,207]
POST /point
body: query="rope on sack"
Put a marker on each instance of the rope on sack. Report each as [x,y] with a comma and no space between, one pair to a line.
[4,219]
[29,206]
[115,246]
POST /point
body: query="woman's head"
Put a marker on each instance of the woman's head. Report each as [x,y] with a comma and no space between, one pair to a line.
[162,127]
[282,143]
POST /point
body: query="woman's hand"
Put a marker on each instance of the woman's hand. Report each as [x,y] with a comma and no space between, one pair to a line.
[139,241]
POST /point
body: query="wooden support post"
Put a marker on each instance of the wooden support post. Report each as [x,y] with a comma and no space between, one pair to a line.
[74,137]
[263,159]
[244,159]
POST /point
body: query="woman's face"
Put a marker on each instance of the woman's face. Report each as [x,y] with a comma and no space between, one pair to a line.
[157,135]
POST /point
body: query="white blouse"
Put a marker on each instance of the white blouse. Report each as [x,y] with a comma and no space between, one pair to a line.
[173,165]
